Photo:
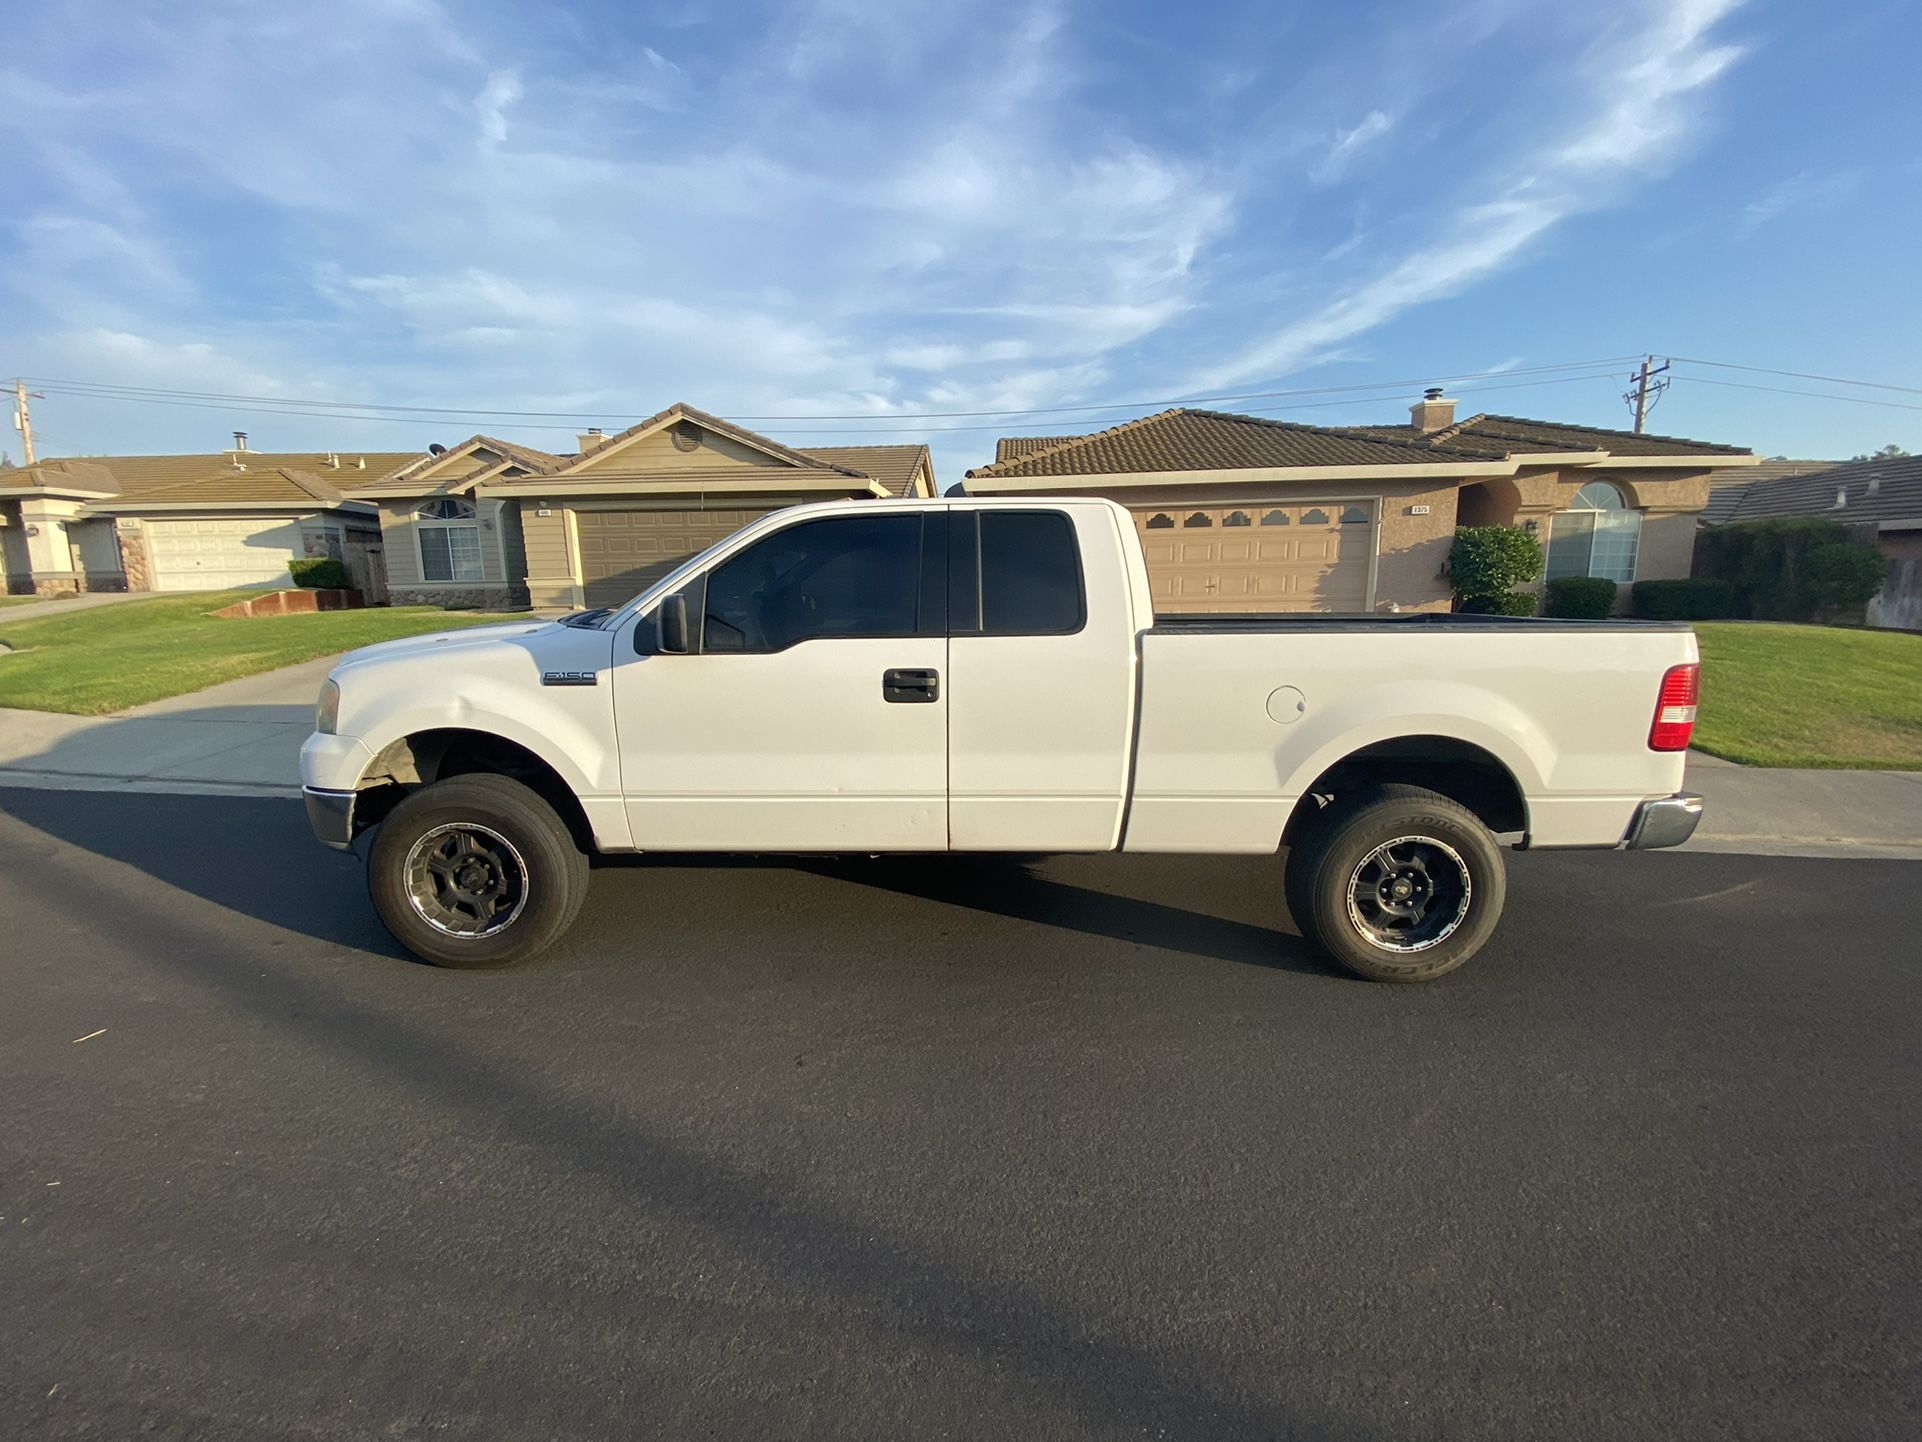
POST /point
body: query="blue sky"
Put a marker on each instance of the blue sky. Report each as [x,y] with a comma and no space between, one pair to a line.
[880,208]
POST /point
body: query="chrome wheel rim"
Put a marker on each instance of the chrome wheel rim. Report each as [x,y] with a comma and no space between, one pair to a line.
[466,880]
[1409,894]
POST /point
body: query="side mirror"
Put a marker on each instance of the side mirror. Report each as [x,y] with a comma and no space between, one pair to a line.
[672,618]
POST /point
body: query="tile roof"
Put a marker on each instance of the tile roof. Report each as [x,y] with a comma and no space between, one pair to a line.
[1881,490]
[1196,440]
[295,477]
[1516,435]
[892,466]
[681,409]
[524,456]
[1726,488]
[1010,447]
[1183,439]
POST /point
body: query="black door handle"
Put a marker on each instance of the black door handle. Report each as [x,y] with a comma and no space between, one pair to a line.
[910,685]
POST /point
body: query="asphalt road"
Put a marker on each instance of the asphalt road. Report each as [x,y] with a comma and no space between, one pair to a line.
[1089,1148]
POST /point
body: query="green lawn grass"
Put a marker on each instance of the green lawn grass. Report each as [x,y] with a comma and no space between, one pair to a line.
[112,657]
[1811,696]
[22,600]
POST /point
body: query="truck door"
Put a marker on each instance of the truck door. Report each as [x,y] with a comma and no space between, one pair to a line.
[1041,679]
[811,710]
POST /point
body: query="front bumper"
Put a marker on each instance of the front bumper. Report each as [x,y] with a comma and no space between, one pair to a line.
[331,814]
[1667,822]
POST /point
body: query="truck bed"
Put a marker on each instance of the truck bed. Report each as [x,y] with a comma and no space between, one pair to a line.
[1399,621]
[1240,715]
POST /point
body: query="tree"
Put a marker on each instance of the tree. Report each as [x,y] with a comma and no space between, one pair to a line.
[6,461]
[1887,453]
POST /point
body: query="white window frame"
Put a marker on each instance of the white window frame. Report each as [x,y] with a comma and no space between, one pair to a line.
[1619,518]
[466,519]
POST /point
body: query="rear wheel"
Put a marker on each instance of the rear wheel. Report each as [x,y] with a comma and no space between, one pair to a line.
[1397,883]
[476,871]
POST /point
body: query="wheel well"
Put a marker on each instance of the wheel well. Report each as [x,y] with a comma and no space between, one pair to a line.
[1459,770]
[425,757]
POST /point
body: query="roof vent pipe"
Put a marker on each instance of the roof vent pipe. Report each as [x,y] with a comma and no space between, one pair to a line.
[240,440]
[1875,485]
[1841,497]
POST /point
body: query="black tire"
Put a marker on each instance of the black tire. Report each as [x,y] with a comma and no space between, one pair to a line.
[1404,913]
[500,841]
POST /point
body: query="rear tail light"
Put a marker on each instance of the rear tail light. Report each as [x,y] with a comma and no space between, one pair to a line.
[1675,708]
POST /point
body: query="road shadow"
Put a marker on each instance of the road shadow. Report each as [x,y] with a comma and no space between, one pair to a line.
[892,1282]
[207,846]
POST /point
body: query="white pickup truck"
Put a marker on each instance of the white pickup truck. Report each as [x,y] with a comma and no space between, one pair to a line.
[989,676]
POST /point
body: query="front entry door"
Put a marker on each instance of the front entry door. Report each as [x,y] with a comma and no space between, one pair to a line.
[812,712]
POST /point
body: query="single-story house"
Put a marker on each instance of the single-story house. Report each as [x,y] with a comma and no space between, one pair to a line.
[490,523]
[1880,501]
[1726,488]
[1242,513]
[183,523]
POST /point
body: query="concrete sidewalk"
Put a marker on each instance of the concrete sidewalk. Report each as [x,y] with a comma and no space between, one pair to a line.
[243,737]
[238,738]
[60,606]
[1767,812]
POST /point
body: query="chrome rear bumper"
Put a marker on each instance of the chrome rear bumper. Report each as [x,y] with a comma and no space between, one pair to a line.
[1667,822]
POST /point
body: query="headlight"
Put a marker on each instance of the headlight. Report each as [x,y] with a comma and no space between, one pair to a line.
[327,708]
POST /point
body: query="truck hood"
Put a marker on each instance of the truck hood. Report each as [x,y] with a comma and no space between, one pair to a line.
[437,643]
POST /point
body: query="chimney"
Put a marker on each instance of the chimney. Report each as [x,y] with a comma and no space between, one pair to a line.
[240,440]
[592,439]
[1431,413]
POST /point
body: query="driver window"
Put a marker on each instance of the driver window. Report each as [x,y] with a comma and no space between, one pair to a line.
[841,576]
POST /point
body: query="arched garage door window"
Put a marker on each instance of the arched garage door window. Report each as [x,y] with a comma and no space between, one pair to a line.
[1596,536]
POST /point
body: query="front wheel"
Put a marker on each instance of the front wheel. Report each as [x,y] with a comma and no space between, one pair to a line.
[1399,883]
[476,871]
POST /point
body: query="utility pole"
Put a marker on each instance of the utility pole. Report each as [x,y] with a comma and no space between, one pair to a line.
[1647,386]
[23,416]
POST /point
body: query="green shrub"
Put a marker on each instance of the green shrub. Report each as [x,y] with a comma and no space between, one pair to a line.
[320,573]
[1697,599]
[1492,560]
[1508,603]
[1843,576]
[1776,575]
[1580,598]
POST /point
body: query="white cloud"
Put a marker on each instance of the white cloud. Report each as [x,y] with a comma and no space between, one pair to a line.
[502,89]
[1640,91]
[1348,144]
[1805,190]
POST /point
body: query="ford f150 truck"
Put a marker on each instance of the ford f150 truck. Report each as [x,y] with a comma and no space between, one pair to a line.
[989,676]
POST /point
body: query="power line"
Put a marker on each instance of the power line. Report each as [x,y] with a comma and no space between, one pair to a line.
[1799,375]
[105,388]
[1003,428]
[1818,395]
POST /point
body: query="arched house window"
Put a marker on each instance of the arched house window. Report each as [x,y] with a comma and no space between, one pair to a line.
[1598,535]
[449,539]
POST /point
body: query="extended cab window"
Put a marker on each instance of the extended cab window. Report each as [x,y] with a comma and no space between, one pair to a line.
[839,576]
[1030,574]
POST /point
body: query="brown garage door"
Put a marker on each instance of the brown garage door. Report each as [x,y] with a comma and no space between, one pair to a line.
[625,552]
[1277,556]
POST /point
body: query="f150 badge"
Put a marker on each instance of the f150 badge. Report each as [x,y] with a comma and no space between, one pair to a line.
[570,678]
